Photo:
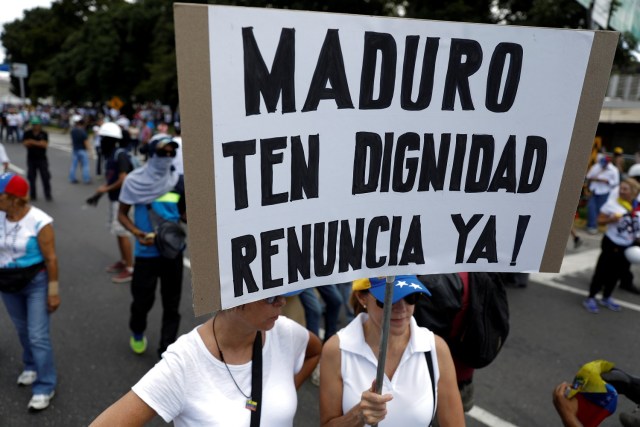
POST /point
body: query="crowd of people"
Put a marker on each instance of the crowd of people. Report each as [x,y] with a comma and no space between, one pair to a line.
[250,357]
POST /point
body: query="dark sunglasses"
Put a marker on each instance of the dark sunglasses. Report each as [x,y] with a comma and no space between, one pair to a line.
[273,300]
[410,299]
[165,153]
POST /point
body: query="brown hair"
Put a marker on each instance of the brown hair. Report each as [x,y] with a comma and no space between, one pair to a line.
[354,302]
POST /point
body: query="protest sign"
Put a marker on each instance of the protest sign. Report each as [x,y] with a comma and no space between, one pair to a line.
[320,148]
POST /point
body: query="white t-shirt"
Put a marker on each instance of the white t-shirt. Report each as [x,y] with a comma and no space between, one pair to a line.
[19,240]
[193,388]
[413,399]
[626,229]
[609,172]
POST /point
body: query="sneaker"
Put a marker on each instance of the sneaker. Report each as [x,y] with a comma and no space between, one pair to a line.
[592,231]
[39,402]
[138,346]
[27,377]
[123,277]
[608,302]
[590,305]
[118,267]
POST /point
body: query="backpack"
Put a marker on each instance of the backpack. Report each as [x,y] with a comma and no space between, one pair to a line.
[472,317]
[135,162]
[486,321]
[170,238]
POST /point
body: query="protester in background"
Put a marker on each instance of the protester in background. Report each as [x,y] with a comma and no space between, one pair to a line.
[618,162]
[446,313]
[14,123]
[4,159]
[117,166]
[626,280]
[620,217]
[151,187]
[96,145]
[602,178]
[80,151]
[36,141]
[416,361]
[313,309]
[27,250]
[4,131]
[178,163]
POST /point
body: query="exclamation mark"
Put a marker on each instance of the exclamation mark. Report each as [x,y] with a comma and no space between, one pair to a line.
[523,222]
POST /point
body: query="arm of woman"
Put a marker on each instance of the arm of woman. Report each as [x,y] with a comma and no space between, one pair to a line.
[46,243]
[311,358]
[372,407]
[129,411]
[606,218]
[449,412]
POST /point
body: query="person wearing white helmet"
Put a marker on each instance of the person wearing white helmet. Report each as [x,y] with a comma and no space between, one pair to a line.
[117,166]
[80,151]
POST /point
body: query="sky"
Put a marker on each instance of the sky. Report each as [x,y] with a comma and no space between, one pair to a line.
[14,9]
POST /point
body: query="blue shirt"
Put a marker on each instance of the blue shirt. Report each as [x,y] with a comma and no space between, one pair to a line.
[167,207]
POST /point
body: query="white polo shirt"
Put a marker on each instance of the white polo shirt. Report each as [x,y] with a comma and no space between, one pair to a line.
[413,399]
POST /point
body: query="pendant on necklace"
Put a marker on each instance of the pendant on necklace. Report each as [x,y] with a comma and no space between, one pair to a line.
[251,405]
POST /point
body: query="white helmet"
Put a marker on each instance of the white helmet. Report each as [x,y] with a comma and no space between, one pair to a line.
[123,122]
[110,129]
[632,253]
[634,170]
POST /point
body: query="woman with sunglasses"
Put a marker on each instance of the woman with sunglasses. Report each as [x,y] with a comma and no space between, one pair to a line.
[205,377]
[419,372]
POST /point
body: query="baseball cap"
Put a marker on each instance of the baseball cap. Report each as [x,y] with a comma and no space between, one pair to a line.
[13,184]
[35,120]
[402,286]
[160,141]
[618,150]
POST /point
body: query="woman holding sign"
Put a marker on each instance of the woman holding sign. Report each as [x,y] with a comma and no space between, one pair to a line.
[418,366]
[241,368]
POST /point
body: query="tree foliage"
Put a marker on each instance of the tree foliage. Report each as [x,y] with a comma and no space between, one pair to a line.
[91,50]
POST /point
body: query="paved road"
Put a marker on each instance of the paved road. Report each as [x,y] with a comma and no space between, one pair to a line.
[551,334]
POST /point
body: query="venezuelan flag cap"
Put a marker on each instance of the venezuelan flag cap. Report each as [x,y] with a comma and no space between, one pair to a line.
[402,286]
[13,184]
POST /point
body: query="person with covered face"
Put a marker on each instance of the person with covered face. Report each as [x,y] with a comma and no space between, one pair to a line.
[146,189]
[419,384]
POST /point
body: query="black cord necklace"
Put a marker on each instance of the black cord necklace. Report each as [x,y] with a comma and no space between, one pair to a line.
[250,403]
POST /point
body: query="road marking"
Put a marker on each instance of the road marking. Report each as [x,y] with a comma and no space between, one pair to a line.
[572,264]
[487,418]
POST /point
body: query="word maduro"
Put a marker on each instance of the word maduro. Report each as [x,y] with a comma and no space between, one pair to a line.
[343,250]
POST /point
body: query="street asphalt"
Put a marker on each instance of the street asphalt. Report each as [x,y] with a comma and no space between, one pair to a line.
[551,334]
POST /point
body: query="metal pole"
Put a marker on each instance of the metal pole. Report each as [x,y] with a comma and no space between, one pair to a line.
[384,339]
[22,88]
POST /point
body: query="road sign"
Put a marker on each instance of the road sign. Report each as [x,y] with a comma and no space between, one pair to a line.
[19,70]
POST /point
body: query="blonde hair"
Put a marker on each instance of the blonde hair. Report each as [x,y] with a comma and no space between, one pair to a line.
[635,186]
